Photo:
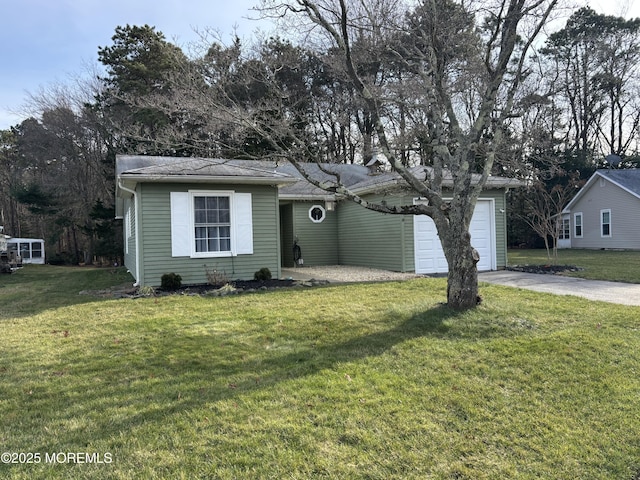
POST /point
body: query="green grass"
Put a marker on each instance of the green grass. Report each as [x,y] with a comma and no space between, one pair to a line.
[35,288]
[615,266]
[365,381]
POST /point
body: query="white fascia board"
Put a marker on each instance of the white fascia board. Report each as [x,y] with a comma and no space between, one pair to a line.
[309,197]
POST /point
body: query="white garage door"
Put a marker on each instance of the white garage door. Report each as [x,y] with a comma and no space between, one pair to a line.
[429,257]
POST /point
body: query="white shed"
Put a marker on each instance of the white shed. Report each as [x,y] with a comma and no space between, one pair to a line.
[31,250]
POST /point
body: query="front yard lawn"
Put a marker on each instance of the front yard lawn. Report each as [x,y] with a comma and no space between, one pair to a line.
[375,381]
[615,266]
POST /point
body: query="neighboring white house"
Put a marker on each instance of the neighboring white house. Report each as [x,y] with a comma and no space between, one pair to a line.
[31,250]
[605,213]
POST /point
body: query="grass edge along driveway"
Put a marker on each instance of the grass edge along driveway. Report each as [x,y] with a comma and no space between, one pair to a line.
[610,265]
[353,381]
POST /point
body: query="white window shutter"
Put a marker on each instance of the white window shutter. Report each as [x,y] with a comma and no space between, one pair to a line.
[243,223]
[180,225]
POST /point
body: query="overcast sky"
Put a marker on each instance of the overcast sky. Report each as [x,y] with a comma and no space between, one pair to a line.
[48,41]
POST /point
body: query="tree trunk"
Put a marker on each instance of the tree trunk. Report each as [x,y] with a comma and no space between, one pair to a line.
[462,280]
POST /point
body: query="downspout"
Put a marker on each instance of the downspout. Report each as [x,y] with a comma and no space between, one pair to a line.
[135,207]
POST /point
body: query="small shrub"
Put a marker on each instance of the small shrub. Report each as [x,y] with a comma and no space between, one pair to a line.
[147,291]
[171,281]
[262,274]
[215,277]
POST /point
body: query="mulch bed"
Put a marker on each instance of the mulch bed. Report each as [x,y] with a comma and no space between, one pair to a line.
[236,287]
[241,285]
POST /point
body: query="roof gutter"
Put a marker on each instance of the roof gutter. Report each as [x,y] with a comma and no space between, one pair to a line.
[309,196]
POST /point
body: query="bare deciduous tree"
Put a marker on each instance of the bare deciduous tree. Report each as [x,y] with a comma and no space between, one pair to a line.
[466,97]
[544,209]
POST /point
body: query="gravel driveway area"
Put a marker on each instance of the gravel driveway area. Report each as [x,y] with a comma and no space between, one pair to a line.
[344,274]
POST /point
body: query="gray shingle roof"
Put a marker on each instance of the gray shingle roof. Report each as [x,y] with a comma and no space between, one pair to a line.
[348,175]
[391,179]
[358,178]
[160,167]
[627,179]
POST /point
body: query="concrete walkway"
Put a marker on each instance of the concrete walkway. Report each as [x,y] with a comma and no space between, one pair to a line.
[613,292]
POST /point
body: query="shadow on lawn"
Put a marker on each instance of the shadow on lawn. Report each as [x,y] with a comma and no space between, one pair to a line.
[178,374]
[34,289]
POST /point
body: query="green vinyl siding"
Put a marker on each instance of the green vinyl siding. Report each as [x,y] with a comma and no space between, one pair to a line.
[351,235]
[500,204]
[378,240]
[317,241]
[373,239]
[155,245]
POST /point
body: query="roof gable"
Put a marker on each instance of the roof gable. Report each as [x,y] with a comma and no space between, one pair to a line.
[628,180]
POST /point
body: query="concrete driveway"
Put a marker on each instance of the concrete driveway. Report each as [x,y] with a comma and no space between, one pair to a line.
[613,292]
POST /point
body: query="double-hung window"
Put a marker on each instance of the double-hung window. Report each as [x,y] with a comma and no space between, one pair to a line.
[212,223]
[577,225]
[605,223]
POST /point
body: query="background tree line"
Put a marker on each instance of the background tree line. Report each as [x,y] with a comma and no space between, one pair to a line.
[578,102]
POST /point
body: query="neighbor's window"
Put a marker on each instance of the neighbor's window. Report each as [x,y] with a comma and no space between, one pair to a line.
[577,222]
[565,230]
[212,223]
[24,251]
[605,216]
[36,250]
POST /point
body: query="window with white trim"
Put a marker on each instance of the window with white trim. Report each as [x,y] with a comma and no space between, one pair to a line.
[211,224]
[577,225]
[27,249]
[36,250]
[605,223]
[565,230]
[317,213]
